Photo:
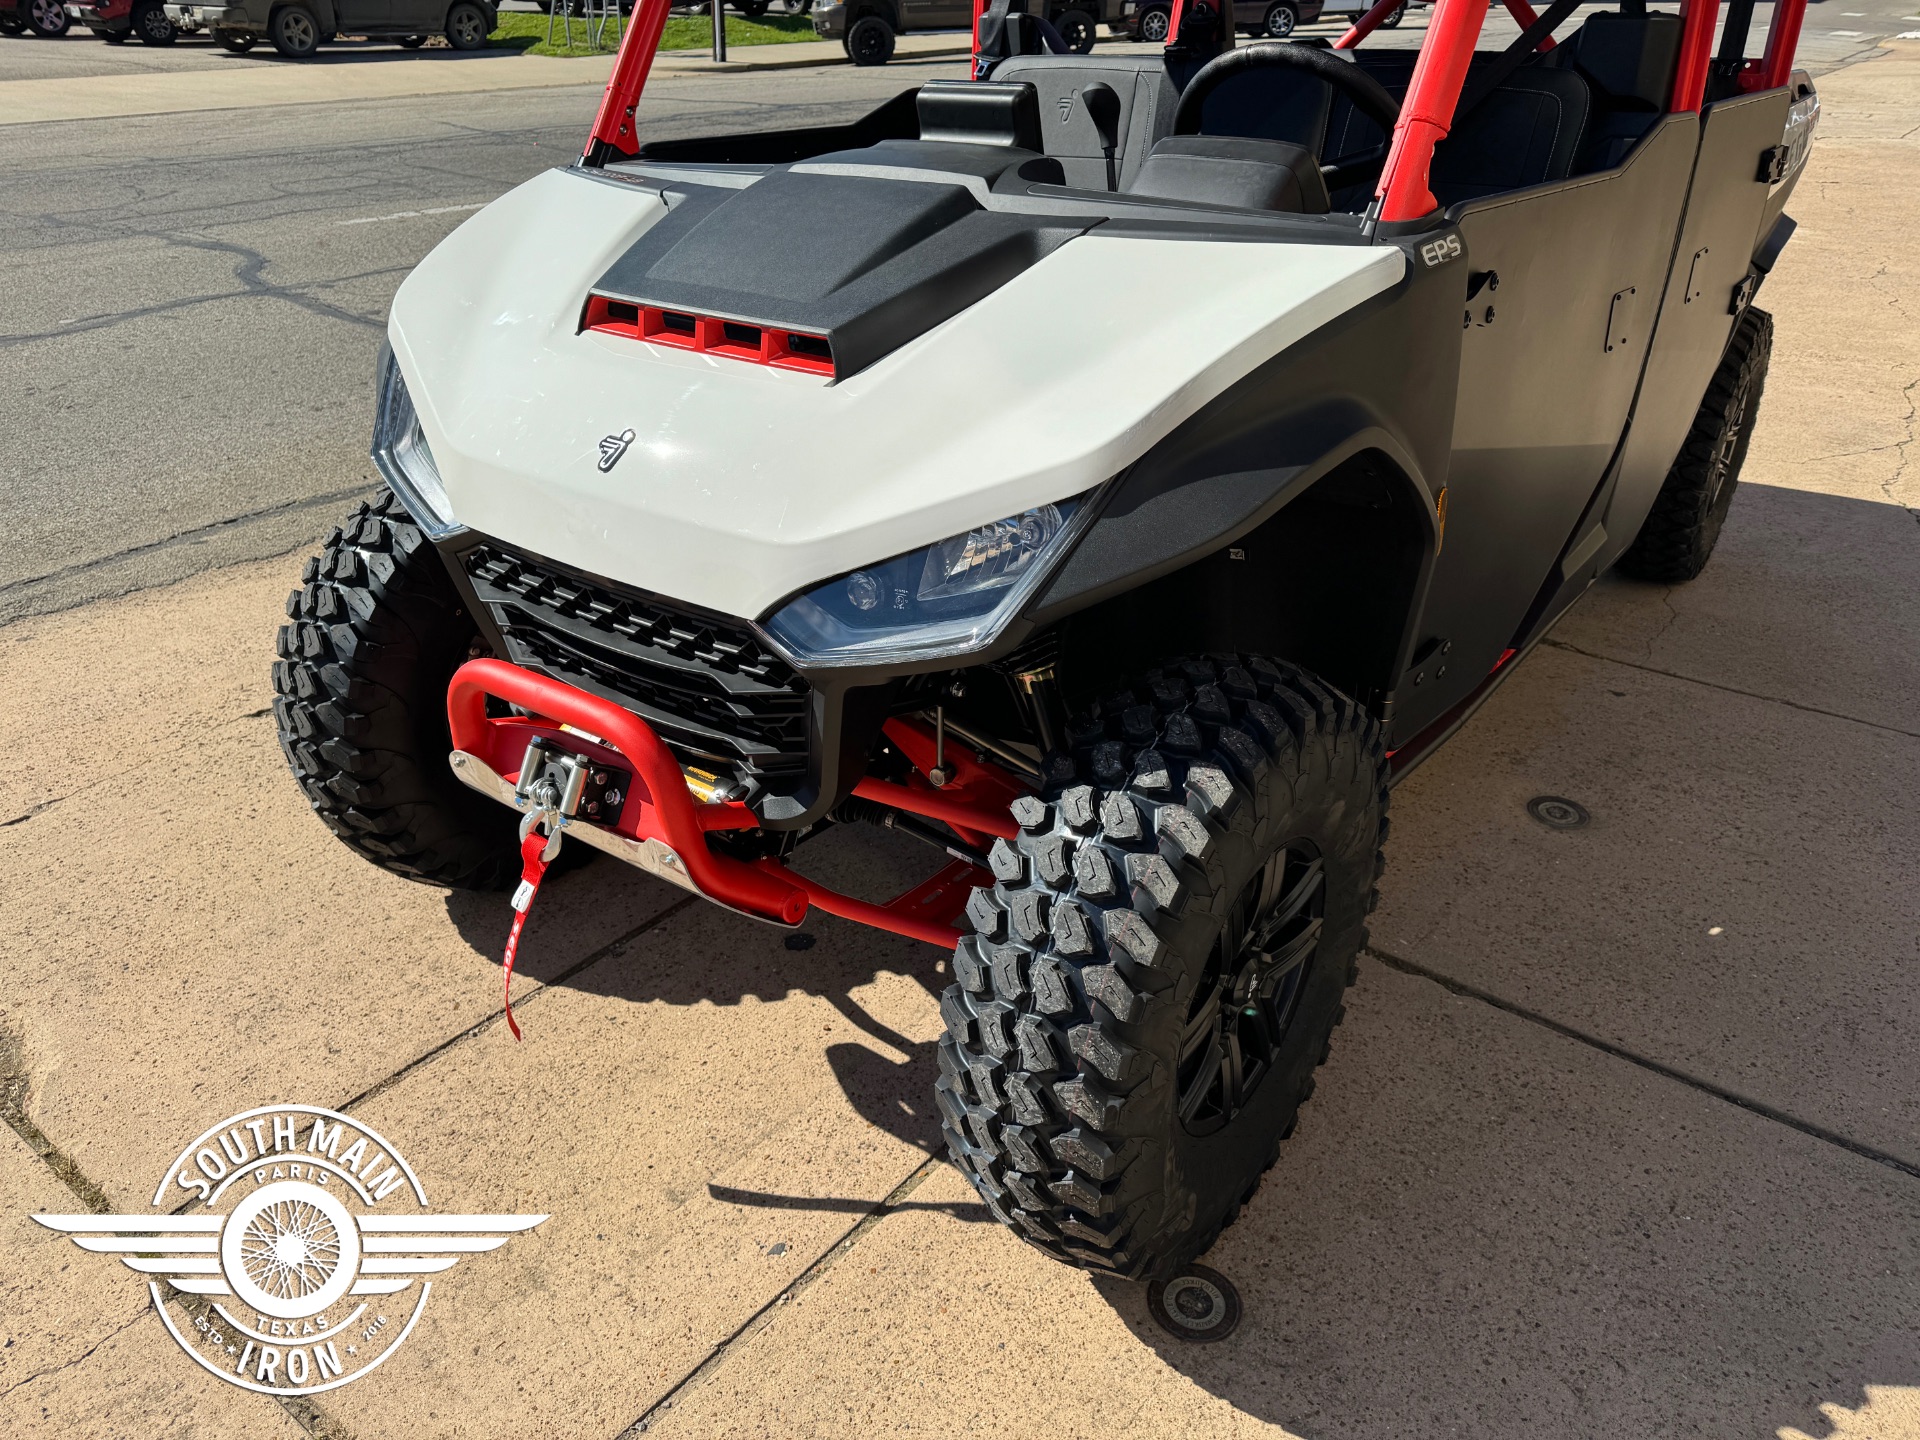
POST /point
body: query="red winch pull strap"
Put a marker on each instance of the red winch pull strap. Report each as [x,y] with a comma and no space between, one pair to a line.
[533,867]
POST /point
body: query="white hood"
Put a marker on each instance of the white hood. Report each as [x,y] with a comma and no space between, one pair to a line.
[744,483]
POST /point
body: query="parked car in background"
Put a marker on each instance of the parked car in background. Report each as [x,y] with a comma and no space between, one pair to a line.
[37,17]
[1268,19]
[296,28]
[868,28]
[114,20]
[1393,18]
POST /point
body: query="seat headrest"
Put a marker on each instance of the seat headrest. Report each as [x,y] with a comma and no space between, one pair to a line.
[980,112]
[1233,170]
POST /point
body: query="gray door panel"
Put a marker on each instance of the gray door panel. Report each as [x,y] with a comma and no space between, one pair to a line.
[1724,211]
[1549,363]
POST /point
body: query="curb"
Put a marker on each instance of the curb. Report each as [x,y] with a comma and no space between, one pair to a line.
[665,65]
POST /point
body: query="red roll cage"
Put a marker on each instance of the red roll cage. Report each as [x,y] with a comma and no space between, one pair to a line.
[1426,114]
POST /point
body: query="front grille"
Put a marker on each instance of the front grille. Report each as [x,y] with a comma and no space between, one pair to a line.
[707,684]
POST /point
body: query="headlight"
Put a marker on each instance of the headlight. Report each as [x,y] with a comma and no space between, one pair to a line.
[947,599]
[401,453]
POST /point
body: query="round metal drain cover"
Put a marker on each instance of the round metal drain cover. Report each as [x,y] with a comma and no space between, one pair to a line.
[1198,1304]
[1556,812]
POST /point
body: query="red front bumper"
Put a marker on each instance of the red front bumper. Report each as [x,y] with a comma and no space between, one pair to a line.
[663,829]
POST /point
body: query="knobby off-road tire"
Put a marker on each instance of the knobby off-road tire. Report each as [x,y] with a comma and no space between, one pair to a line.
[1088,1012]
[1679,533]
[373,636]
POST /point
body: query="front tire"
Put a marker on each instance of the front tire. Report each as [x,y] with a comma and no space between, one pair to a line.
[1677,537]
[1160,963]
[1280,20]
[375,633]
[870,41]
[47,18]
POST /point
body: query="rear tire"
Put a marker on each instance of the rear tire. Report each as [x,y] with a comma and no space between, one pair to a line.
[375,633]
[1119,962]
[294,32]
[151,24]
[1677,537]
[467,27]
[870,41]
[1076,28]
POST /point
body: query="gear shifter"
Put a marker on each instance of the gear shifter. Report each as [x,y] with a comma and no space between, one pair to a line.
[1103,109]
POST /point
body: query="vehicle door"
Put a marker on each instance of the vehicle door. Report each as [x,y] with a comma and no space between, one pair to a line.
[360,17]
[1728,203]
[417,17]
[1562,286]
[937,14]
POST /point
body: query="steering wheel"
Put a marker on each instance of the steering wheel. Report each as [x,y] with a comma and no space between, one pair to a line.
[1368,95]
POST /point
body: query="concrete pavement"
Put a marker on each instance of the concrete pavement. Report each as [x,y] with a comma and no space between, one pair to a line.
[1621,1135]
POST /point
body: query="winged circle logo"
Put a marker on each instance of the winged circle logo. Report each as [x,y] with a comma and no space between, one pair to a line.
[299,1244]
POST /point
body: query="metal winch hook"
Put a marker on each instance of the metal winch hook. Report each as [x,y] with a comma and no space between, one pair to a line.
[543,808]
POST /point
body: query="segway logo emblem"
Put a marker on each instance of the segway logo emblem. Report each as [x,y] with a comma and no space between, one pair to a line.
[613,447]
[309,1238]
[1066,108]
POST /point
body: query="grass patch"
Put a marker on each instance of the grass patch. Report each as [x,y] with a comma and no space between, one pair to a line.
[528,33]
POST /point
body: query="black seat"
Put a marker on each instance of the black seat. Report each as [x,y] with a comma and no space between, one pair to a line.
[1236,170]
[1527,132]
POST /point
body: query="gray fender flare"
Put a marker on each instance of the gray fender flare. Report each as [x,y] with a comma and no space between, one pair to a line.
[1156,517]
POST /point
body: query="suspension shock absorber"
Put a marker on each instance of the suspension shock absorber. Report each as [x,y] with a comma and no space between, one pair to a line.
[1033,670]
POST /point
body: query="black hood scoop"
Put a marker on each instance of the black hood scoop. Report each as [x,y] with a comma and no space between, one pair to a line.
[868,248]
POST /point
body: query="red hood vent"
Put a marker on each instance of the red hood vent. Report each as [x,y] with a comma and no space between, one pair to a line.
[710,335]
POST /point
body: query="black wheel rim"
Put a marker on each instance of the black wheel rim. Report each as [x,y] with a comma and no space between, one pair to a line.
[1250,992]
[867,46]
[1724,450]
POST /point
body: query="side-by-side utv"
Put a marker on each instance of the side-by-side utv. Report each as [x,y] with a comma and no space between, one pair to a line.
[1114,471]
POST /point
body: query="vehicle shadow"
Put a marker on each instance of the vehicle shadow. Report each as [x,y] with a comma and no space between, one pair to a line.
[699,954]
[1482,1225]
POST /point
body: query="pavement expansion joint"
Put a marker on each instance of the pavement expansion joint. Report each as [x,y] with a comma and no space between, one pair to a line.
[762,1317]
[380,1087]
[1669,1072]
[1732,689]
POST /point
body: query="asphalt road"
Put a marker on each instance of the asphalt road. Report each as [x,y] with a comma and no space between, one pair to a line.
[193,301]
[194,304]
